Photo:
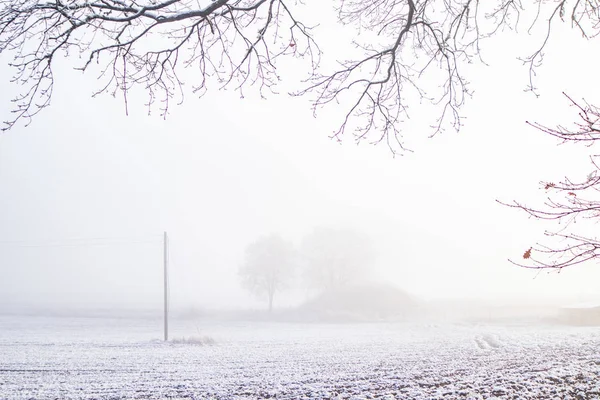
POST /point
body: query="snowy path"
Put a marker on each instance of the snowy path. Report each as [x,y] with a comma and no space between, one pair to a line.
[120,359]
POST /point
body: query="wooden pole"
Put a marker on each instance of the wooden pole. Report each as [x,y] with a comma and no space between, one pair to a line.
[166,285]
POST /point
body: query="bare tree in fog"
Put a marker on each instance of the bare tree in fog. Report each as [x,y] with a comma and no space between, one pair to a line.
[572,203]
[406,51]
[268,267]
[334,258]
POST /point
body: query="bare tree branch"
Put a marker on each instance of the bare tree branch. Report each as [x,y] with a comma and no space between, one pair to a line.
[568,201]
[144,45]
[412,51]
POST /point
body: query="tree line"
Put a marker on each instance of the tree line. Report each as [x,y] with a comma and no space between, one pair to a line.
[326,259]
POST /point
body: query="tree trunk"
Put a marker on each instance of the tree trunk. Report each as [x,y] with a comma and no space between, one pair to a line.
[271,302]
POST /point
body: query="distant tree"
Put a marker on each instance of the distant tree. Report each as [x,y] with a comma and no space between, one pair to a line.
[407,52]
[569,201]
[268,267]
[334,258]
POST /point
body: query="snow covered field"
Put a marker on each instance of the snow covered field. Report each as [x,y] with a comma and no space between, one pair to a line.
[99,358]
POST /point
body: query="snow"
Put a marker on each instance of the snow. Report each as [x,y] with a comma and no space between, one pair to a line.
[84,358]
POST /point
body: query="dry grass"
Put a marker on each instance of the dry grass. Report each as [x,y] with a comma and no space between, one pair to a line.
[194,340]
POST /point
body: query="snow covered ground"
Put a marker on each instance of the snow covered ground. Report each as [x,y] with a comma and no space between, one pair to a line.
[100,358]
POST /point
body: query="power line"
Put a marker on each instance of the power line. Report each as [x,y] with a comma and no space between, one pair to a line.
[91,244]
[82,242]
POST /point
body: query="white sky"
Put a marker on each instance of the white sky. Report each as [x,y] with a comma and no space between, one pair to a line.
[222,171]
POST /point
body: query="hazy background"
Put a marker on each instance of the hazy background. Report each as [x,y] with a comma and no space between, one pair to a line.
[86,192]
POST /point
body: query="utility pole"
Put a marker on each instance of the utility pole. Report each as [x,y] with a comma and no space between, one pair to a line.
[166,283]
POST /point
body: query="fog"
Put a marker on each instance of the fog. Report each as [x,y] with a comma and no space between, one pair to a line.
[86,193]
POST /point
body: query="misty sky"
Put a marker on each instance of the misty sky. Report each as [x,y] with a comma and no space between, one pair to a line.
[86,191]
